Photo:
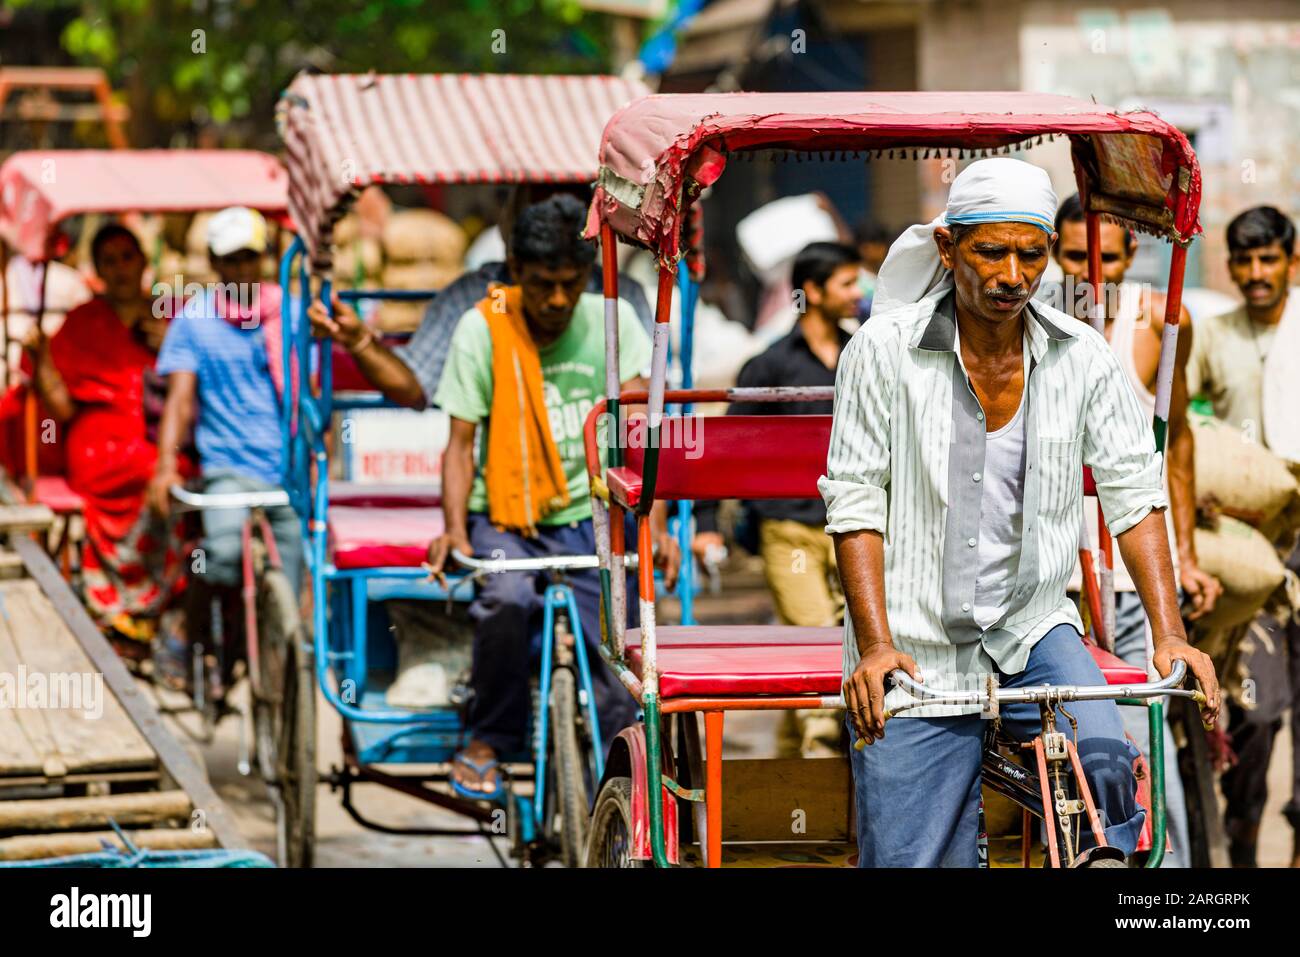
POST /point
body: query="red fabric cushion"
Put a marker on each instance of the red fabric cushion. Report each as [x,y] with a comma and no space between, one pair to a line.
[382,537]
[1117,671]
[743,660]
[54,491]
[348,376]
[730,456]
[713,636]
[385,495]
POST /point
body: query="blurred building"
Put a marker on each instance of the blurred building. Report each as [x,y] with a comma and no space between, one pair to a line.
[1228,76]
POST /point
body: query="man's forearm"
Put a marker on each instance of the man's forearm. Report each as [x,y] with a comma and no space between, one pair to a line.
[1182,494]
[390,375]
[1145,550]
[861,559]
[176,416]
[457,476]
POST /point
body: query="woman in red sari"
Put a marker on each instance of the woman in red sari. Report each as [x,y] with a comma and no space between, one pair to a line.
[89,376]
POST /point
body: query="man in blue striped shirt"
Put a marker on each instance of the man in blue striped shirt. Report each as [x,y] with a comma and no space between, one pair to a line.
[222,361]
[963,420]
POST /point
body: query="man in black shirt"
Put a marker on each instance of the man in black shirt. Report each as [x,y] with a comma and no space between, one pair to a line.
[798,555]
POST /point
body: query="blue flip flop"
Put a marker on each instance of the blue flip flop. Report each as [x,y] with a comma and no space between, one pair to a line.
[481,768]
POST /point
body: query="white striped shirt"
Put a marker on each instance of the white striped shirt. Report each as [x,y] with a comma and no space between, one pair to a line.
[906,459]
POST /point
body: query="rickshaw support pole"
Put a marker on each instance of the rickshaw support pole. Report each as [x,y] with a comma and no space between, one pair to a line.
[1169,344]
[29,405]
[1105,628]
[713,723]
[1159,822]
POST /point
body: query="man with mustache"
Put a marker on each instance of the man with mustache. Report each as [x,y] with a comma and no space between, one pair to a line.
[1228,366]
[1134,329]
[964,415]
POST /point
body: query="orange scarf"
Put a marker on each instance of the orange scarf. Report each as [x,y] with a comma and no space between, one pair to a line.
[524,475]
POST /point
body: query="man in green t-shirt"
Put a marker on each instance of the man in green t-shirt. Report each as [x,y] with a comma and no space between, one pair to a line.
[550,263]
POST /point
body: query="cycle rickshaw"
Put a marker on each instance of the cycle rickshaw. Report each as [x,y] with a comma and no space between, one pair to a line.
[664,790]
[366,543]
[40,190]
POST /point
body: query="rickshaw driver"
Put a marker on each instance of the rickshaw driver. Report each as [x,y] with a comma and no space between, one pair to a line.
[963,418]
[542,341]
[223,362]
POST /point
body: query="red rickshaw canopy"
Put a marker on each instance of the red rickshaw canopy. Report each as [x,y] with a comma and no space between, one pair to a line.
[657,152]
[38,189]
[344,132]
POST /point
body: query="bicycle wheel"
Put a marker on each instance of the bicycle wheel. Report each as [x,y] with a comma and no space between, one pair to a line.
[610,842]
[570,785]
[285,718]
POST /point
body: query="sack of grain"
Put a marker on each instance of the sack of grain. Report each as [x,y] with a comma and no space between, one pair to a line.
[422,234]
[399,316]
[346,230]
[416,275]
[1247,566]
[357,261]
[1241,474]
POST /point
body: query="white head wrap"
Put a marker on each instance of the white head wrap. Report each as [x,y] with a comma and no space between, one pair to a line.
[1001,190]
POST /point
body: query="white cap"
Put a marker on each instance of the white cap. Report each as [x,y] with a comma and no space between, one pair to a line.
[236,228]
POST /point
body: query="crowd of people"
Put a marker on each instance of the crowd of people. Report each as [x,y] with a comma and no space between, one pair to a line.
[512,351]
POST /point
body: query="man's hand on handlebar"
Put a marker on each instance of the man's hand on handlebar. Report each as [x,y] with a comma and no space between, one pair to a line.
[440,550]
[864,692]
[159,492]
[1173,648]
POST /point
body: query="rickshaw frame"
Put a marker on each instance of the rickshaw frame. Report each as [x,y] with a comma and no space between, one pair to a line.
[40,189]
[334,124]
[656,157]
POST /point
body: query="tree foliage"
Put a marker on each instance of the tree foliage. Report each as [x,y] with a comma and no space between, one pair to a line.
[190,63]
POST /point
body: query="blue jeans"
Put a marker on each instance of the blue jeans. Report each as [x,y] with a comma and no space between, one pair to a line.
[918,788]
[223,532]
[1131,645]
[507,617]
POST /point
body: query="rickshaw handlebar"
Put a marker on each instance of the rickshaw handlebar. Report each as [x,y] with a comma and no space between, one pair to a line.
[1040,694]
[198,502]
[540,564]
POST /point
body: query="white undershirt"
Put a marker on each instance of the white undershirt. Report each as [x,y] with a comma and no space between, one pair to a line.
[1001,514]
